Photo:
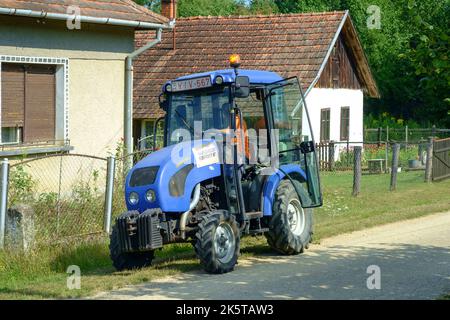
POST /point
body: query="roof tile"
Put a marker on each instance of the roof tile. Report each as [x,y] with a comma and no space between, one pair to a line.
[292,45]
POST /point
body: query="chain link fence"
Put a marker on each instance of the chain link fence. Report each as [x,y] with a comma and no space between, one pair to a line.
[63,195]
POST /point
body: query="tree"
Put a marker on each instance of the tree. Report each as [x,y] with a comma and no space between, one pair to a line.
[188,8]
[263,7]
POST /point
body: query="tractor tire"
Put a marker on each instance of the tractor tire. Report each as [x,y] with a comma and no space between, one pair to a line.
[290,227]
[127,260]
[218,242]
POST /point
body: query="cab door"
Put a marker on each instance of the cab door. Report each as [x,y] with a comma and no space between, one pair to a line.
[292,137]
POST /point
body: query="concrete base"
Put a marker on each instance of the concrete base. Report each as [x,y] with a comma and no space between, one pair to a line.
[19,231]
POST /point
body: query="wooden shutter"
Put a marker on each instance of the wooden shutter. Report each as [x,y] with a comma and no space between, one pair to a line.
[39,103]
[13,95]
[345,123]
[325,125]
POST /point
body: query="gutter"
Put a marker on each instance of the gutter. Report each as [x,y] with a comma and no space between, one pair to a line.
[82,19]
[128,112]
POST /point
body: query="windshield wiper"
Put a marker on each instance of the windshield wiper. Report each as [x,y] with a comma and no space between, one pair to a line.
[184,121]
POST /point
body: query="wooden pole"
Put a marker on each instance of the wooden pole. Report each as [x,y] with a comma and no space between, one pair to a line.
[331,156]
[357,171]
[429,163]
[394,168]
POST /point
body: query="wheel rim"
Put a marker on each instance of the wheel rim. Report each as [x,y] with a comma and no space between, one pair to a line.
[224,242]
[296,217]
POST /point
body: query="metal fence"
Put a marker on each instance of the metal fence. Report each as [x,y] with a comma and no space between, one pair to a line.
[72,196]
[405,135]
[63,192]
[376,156]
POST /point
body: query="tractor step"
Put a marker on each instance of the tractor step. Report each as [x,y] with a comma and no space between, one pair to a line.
[258,231]
[254,215]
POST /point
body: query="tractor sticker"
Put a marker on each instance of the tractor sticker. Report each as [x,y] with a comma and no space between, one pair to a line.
[206,154]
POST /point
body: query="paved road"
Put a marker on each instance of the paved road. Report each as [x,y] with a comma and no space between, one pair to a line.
[413,257]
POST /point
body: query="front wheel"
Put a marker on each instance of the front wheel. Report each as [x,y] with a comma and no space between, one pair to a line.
[290,228]
[218,242]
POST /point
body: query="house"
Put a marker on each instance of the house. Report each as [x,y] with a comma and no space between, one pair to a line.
[322,49]
[66,74]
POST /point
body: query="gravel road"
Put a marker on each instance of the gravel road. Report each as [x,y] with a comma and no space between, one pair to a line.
[412,257]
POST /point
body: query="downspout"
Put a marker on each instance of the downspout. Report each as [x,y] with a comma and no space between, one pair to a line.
[128,114]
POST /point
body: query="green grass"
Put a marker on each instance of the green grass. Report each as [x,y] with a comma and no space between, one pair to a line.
[41,274]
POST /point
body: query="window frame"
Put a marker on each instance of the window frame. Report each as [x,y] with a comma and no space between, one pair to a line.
[61,93]
[328,110]
[342,136]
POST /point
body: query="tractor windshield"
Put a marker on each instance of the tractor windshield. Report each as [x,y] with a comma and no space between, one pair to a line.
[196,111]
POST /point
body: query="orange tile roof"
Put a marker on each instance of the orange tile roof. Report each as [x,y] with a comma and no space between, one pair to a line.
[116,9]
[292,45]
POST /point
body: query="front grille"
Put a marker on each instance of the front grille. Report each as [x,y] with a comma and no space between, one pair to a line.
[139,232]
[148,230]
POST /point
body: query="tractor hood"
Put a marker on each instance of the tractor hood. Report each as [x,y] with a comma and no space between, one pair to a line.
[171,174]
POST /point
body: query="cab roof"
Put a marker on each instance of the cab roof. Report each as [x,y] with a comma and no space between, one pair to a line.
[228,75]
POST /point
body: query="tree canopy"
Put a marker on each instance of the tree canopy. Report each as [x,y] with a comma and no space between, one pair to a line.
[406,42]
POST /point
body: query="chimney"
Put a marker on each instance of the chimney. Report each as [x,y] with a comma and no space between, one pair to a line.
[169,9]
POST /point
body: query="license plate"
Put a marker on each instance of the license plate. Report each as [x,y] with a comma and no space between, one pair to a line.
[191,84]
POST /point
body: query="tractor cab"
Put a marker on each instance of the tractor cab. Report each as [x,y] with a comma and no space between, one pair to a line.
[238,159]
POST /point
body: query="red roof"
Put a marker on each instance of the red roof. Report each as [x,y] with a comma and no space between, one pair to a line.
[116,9]
[292,45]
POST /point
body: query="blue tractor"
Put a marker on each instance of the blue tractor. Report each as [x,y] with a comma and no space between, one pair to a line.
[238,159]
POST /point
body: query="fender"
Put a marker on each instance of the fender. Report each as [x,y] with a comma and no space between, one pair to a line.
[272,183]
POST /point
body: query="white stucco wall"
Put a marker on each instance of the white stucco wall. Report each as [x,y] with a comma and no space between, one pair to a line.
[334,99]
[96,74]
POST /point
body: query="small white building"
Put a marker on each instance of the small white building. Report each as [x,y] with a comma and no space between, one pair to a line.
[322,49]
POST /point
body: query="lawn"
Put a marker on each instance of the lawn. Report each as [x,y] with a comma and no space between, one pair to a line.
[42,273]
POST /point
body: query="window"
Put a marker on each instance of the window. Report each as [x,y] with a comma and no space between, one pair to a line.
[28,105]
[345,123]
[325,125]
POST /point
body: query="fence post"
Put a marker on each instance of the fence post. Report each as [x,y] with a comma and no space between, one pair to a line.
[433,131]
[3,200]
[386,157]
[331,156]
[406,137]
[379,136]
[357,170]
[429,163]
[110,170]
[387,133]
[394,168]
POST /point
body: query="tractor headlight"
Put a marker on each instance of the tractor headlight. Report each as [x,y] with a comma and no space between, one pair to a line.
[133,198]
[219,80]
[150,195]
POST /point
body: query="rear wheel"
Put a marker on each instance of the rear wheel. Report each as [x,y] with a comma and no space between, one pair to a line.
[127,260]
[290,228]
[218,242]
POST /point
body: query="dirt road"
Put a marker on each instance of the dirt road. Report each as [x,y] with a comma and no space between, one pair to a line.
[412,257]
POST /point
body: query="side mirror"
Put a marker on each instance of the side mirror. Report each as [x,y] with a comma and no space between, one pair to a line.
[163,102]
[242,87]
